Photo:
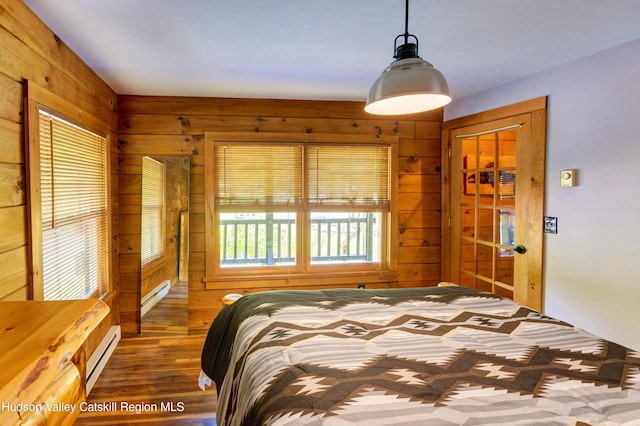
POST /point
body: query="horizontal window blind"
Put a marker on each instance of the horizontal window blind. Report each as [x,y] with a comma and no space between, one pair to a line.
[258,176]
[74,210]
[356,177]
[152,246]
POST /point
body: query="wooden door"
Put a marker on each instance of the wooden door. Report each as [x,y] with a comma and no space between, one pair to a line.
[496,200]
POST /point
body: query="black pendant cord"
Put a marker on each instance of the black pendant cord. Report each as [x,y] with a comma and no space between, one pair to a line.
[406,49]
[406,22]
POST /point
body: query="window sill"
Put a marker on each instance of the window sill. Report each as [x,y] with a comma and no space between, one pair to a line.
[290,281]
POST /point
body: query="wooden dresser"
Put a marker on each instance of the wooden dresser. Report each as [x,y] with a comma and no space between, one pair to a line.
[42,359]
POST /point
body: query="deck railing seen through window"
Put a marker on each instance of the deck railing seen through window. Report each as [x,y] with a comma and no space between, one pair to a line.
[270,238]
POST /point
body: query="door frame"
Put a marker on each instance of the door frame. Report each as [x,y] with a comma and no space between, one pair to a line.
[532,294]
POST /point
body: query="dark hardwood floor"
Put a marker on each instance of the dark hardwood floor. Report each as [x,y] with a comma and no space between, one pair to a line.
[153,378]
[169,317]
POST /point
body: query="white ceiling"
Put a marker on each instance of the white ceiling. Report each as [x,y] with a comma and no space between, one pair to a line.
[326,49]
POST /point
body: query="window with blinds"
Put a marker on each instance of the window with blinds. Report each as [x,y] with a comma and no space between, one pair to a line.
[348,177]
[73,182]
[258,176]
[153,224]
[271,197]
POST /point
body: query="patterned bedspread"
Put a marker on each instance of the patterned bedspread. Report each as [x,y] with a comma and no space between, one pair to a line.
[427,356]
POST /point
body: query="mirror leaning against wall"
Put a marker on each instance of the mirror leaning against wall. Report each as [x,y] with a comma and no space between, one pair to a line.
[164,245]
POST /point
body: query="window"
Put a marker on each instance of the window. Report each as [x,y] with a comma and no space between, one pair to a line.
[152,227]
[296,207]
[348,189]
[258,194]
[74,211]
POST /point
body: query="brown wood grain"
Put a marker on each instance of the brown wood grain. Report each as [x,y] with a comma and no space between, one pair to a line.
[159,368]
[38,339]
[175,126]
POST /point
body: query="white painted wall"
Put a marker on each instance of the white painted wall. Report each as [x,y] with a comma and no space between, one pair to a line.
[592,266]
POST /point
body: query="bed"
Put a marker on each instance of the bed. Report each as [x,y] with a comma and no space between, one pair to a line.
[436,356]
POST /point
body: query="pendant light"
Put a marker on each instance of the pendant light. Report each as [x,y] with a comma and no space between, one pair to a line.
[410,84]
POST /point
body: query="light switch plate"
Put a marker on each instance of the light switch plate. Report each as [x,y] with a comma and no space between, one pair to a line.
[568,177]
[550,225]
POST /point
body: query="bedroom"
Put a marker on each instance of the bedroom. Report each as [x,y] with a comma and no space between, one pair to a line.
[593,107]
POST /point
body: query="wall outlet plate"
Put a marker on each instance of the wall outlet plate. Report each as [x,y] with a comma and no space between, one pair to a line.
[550,225]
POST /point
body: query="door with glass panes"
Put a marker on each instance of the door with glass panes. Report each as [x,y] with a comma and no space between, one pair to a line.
[497,196]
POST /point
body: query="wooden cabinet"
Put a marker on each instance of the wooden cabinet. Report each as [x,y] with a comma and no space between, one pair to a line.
[42,359]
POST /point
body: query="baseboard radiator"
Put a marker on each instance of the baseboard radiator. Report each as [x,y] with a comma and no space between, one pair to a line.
[154,296]
[101,355]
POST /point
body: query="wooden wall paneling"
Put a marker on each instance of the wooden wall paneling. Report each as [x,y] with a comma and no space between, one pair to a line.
[30,51]
[35,96]
[112,299]
[15,233]
[130,224]
[13,269]
[14,282]
[418,274]
[190,125]
[177,145]
[413,237]
[419,147]
[430,129]
[175,126]
[418,183]
[51,63]
[419,203]
[422,254]
[14,277]
[30,65]
[150,276]
[11,138]
[130,274]
[417,219]
[12,185]
[155,105]
[10,99]
[129,243]
[22,293]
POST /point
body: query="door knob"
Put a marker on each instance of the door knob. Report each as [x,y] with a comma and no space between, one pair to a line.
[520,249]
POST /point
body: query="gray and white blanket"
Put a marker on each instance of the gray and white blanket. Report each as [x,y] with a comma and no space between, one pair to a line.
[423,356]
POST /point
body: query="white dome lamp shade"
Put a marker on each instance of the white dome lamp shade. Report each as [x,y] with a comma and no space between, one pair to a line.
[410,84]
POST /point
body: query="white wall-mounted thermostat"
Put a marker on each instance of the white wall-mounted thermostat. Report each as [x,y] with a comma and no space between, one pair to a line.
[569,177]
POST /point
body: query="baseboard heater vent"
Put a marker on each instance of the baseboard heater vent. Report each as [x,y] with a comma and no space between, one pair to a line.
[100,356]
[154,296]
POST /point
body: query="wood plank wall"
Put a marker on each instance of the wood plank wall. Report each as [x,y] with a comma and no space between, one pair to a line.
[176,126]
[30,51]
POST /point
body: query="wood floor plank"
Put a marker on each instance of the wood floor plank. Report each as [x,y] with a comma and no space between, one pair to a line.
[170,317]
[153,378]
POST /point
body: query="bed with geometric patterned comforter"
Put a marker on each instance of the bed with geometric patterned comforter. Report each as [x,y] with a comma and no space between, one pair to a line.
[423,356]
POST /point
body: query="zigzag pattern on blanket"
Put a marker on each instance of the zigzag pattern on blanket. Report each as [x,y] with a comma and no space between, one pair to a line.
[469,358]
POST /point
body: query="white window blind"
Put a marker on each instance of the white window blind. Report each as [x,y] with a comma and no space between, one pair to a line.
[73,177]
[152,210]
[258,176]
[331,175]
[355,177]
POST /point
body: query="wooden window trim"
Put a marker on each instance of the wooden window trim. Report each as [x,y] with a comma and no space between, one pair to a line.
[302,273]
[35,99]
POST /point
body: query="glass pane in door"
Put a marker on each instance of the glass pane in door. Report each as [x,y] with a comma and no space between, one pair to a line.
[488,176]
